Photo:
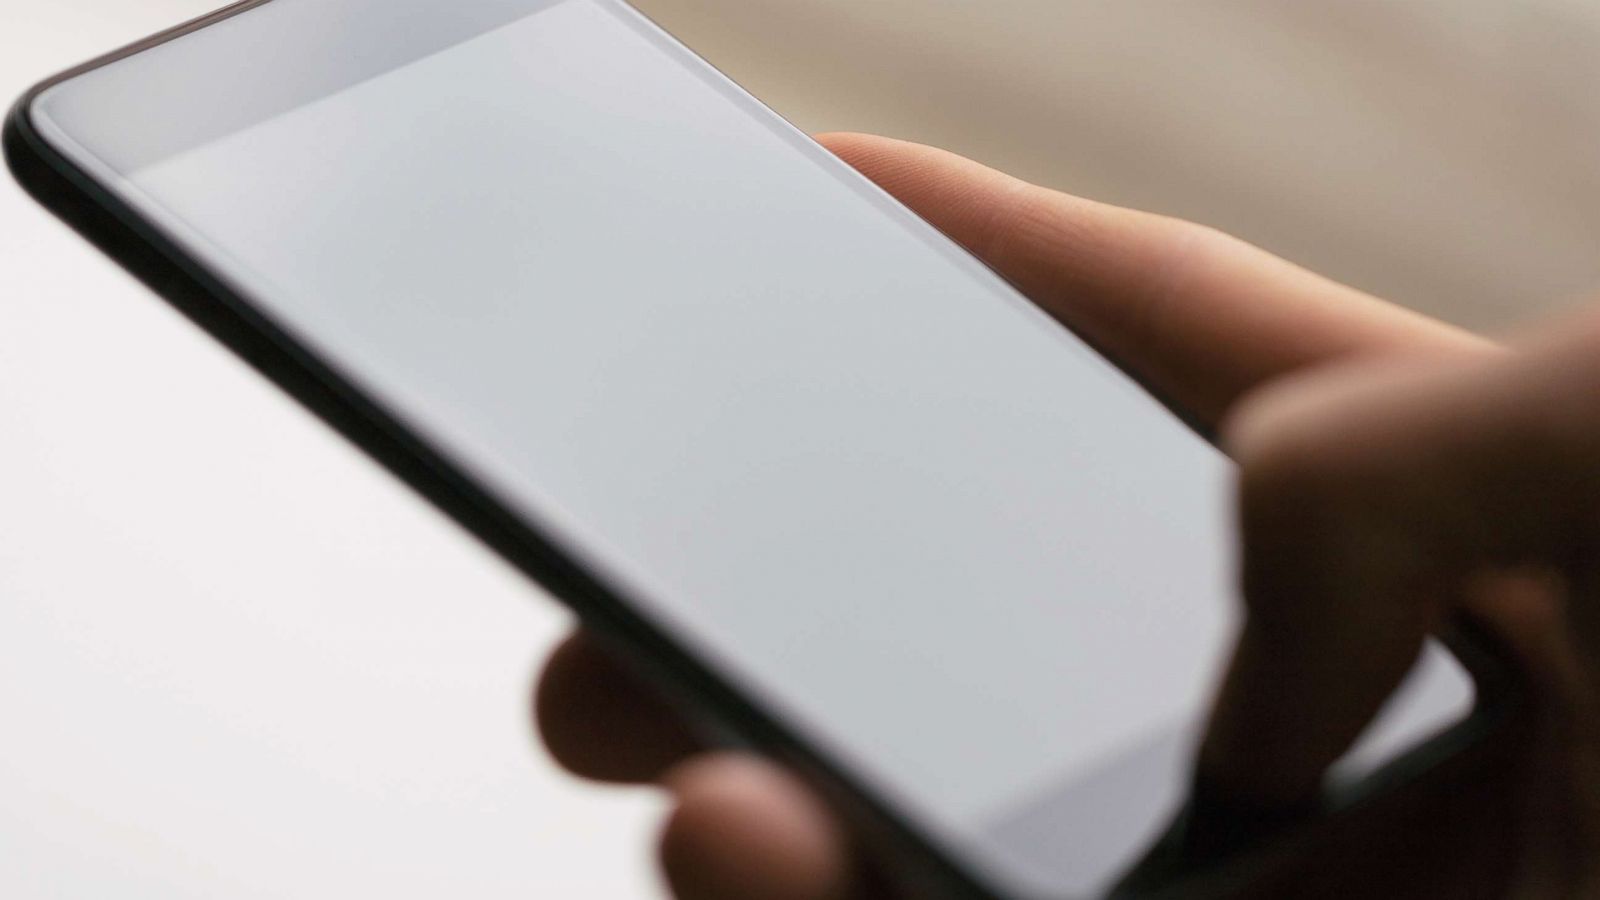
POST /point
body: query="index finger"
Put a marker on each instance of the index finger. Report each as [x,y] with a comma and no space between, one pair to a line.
[1199,316]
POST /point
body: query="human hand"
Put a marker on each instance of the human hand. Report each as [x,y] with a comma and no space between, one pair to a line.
[1379,499]
[1199,317]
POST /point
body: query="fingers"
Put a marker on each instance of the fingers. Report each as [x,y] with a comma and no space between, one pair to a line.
[741,827]
[1203,319]
[745,828]
[1199,316]
[600,722]
[1371,501]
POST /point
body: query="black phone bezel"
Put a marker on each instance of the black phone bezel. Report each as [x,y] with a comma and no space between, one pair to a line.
[142,249]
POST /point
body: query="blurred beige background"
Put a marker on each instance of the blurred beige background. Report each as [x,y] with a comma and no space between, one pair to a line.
[1438,152]
[236,660]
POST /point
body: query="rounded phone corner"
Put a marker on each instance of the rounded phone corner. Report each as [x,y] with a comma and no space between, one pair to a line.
[1188,862]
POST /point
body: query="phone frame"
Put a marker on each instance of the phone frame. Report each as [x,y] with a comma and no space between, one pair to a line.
[917,862]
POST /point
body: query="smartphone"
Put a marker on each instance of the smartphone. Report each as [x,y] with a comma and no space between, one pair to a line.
[819,471]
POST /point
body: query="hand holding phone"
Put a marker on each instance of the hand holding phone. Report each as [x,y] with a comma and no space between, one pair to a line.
[797,455]
[1313,376]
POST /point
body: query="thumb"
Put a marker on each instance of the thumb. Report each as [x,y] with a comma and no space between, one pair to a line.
[1370,500]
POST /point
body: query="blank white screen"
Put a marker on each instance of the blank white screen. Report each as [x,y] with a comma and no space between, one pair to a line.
[849,466]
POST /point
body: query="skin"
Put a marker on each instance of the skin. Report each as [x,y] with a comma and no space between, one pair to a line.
[1393,472]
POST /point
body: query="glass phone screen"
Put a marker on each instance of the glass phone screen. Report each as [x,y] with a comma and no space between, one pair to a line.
[809,437]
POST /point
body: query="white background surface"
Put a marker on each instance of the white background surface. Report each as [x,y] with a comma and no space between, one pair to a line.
[236,659]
